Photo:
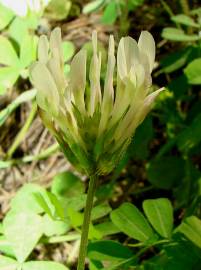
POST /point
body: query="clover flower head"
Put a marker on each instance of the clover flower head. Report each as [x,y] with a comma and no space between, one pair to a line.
[92,123]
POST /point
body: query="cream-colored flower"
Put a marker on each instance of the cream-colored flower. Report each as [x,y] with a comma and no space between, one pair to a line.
[22,7]
[94,124]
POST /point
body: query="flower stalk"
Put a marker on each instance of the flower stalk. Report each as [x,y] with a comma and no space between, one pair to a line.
[86,222]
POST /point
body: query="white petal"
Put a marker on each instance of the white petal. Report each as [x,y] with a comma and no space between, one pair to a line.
[128,124]
[94,42]
[140,75]
[151,97]
[94,76]
[18,7]
[46,87]
[78,78]
[146,45]
[108,87]
[43,49]
[37,5]
[57,73]
[127,62]
[56,44]
[138,78]
[136,114]
[149,100]
[124,96]
[108,96]
[127,56]
[137,75]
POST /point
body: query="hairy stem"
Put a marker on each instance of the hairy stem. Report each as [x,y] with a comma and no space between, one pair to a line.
[86,222]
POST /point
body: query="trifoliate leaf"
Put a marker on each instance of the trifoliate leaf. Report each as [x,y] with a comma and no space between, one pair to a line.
[160,214]
[132,222]
[23,230]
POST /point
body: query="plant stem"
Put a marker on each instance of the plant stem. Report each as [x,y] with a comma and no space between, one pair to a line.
[143,250]
[167,8]
[42,155]
[63,238]
[86,222]
[186,10]
[20,136]
[30,158]
[185,6]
